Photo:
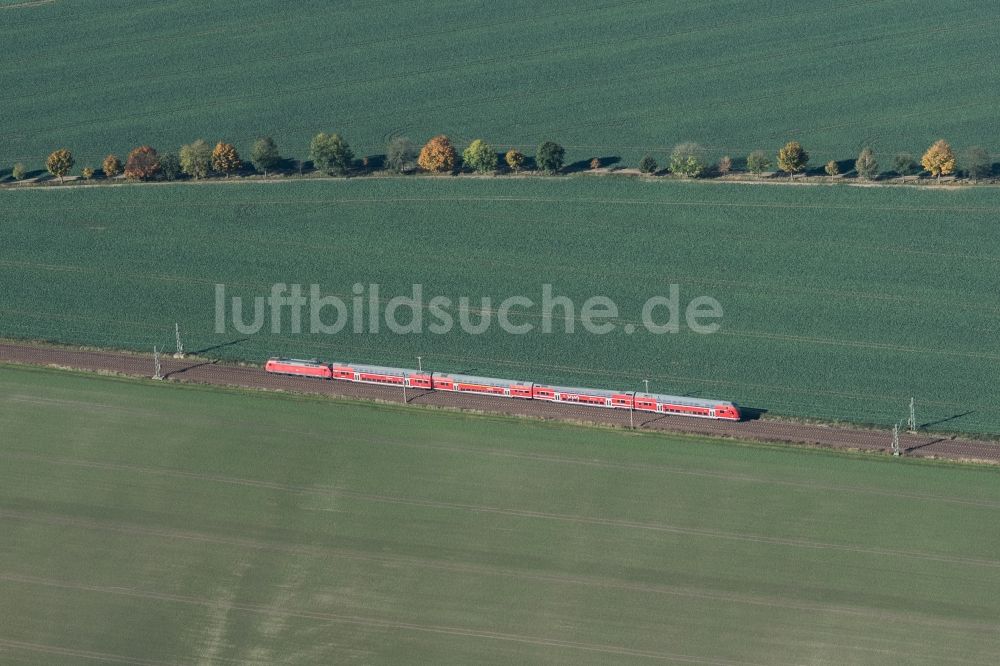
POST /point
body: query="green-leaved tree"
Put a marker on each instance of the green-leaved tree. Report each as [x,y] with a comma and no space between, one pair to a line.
[264,155]
[905,165]
[331,154]
[170,166]
[196,159]
[688,160]
[480,157]
[977,163]
[401,155]
[866,165]
[550,156]
[758,162]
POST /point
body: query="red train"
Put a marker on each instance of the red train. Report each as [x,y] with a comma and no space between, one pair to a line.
[440,381]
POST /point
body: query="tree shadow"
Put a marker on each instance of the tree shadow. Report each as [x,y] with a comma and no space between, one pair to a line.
[843,166]
[585,165]
[371,163]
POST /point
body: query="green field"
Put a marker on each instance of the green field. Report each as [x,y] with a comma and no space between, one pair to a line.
[168,524]
[839,303]
[604,78]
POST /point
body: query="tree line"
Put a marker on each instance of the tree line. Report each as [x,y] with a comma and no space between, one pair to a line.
[331,154]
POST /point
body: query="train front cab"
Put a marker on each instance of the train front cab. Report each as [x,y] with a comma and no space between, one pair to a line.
[728,412]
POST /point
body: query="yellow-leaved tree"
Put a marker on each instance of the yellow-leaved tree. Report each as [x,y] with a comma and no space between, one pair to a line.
[111,166]
[793,158]
[939,159]
[437,155]
[59,163]
[514,159]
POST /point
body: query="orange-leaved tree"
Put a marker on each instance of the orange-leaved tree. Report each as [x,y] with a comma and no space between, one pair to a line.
[437,155]
[143,163]
[939,159]
[225,159]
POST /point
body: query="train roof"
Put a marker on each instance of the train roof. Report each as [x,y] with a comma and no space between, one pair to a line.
[682,400]
[381,369]
[311,362]
[582,391]
[473,379]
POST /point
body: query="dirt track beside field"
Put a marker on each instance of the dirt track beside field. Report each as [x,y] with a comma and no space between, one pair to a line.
[211,372]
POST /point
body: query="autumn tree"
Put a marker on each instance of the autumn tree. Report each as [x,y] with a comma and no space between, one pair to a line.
[170,166]
[59,163]
[143,163]
[437,155]
[87,172]
[111,166]
[401,154]
[480,156]
[225,159]
[550,157]
[831,168]
[939,159]
[196,159]
[725,165]
[976,163]
[330,154]
[648,164]
[264,155]
[758,162]
[792,158]
[866,165]
[688,160]
[514,159]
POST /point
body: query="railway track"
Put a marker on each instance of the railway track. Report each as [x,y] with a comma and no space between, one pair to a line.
[210,372]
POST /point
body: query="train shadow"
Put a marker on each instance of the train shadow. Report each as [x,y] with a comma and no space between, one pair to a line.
[750,413]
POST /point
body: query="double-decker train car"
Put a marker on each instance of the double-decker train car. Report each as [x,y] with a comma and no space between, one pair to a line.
[407,377]
[488,385]
[682,406]
[377,374]
[583,396]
